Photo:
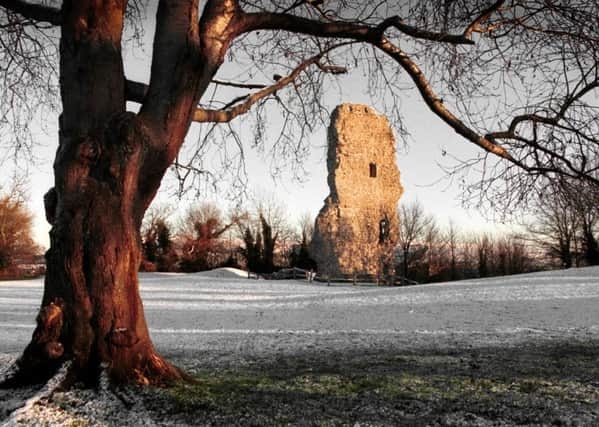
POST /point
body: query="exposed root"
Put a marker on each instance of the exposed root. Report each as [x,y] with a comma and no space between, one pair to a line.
[28,370]
[10,378]
[153,370]
[53,385]
[106,387]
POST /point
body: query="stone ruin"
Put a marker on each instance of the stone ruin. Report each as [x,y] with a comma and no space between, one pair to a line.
[357,228]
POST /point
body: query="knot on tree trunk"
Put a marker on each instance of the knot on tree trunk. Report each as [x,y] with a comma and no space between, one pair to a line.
[50,202]
[49,328]
[125,131]
[123,337]
[89,150]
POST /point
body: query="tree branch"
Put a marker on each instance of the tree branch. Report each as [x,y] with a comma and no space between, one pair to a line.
[226,115]
[136,91]
[484,15]
[418,33]
[536,118]
[36,12]
[436,105]
[239,85]
[346,30]
[176,73]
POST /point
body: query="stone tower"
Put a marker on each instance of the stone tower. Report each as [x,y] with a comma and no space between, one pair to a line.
[357,228]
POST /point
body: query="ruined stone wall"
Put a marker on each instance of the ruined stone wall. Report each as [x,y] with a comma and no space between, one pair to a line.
[346,236]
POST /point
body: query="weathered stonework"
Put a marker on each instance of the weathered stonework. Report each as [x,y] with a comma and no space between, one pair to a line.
[349,236]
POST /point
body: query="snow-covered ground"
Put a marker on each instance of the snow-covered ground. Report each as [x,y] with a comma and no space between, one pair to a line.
[222,314]
[223,319]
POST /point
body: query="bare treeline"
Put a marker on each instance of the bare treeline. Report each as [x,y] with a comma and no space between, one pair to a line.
[259,237]
[429,252]
[262,239]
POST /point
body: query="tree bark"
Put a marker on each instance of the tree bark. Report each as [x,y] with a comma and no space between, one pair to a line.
[91,311]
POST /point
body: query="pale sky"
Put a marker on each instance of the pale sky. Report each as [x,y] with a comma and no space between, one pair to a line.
[421,176]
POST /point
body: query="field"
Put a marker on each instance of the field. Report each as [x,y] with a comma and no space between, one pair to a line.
[510,350]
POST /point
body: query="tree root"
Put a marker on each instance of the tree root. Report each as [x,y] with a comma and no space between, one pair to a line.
[12,377]
[54,384]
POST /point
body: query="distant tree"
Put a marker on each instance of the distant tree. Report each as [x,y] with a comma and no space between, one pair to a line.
[200,234]
[276,217]
[519,258]
[300,254]
[556,224]
[585,201]
[452,238]
[503,255]
[253,251]
[16,239]
[484,250]
[267,225]
[306,227]
[157,245]
[468,260]
[413,223]
[435,254]
[268,251]
[300,257]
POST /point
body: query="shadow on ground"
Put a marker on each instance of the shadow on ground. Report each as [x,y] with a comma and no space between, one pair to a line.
[529,384]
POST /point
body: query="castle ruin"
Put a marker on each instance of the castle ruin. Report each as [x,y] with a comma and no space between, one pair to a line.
[357,228]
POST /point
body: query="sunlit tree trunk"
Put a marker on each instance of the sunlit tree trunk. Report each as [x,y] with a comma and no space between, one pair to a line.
[108,167]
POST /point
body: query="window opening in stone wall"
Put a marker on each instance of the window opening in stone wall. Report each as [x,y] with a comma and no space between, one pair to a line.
[373,170]
[384,230]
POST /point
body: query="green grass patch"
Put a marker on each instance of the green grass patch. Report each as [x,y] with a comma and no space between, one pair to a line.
[229,391]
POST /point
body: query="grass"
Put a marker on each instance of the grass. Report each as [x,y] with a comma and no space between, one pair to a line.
[517,386]
[229,390]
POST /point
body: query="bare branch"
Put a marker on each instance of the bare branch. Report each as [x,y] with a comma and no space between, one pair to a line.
[135,91]
[484,15]
[226,115]
[239,85]
[436,104]
[36,12]
[418,33]
[346,30]
[536,118]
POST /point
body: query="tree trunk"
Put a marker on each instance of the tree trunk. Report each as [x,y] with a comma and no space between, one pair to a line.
[108,168]
[91,311]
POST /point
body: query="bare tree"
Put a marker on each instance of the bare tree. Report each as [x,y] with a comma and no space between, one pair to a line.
[306,228]
[516,78]
[484,251]
[200,238]
[436,249]
[16,239]
[452,238]
[511,256]
[300,252]
[566,222]
[556,224]
[157,245]
[585,201]
[267,225]
[413,224]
